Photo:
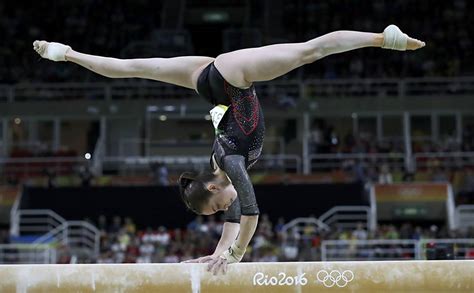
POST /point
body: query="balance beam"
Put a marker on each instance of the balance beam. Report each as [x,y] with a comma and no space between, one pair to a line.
[382,276]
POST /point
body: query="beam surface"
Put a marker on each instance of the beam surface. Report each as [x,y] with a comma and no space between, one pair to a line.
[381,276]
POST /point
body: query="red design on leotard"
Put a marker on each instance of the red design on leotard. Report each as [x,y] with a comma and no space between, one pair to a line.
[245,109]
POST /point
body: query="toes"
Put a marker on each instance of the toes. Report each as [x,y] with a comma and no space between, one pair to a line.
[39,46]
[414,44]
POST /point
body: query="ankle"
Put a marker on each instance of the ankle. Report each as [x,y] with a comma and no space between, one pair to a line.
[378,40]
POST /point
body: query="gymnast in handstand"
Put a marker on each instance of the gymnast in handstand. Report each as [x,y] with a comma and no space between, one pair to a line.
[227,82]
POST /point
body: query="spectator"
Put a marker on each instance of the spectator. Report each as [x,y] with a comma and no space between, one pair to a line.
[385,177]
[359,233]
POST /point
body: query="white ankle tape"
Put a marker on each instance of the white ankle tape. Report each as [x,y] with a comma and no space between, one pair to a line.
[56,51]
[394,38]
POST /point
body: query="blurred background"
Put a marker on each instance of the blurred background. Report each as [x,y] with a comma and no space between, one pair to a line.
[368,154]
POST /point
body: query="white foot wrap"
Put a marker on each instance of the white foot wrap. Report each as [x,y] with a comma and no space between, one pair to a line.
[394,38]
[52,51]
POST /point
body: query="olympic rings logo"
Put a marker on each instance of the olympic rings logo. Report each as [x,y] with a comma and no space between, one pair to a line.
[335,277]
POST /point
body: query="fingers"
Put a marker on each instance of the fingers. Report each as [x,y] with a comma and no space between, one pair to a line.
[212,263]
[191,261]
[217,265]
[205,259]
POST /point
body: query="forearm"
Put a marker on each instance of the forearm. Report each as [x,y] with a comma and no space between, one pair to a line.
[343,41]
[248,225]
[229,234]
[106,66]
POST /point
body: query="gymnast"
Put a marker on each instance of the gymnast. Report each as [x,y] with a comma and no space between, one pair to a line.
[227,82]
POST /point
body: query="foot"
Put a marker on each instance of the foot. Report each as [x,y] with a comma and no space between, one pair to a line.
[395,39]
[50,50]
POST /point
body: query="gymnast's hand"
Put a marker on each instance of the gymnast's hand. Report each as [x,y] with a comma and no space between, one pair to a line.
[51,50]
[217,264]
[203,259]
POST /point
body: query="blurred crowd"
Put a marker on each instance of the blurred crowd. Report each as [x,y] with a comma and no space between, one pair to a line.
[122,242]
[444,25]
[325,138]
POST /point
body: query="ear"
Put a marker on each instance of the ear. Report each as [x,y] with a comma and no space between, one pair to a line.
[212,187]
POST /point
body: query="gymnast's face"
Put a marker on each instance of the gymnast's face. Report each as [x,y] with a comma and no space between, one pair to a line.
[223,195]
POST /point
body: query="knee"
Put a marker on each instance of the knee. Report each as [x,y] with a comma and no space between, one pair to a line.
[309,53]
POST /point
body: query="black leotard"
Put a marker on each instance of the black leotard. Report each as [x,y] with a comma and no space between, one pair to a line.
[239,136]
[242,129]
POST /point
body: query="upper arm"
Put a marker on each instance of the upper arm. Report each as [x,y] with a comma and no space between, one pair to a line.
[234,166]
[232,215]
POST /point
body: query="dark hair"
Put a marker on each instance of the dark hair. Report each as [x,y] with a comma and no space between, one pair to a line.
[193,190]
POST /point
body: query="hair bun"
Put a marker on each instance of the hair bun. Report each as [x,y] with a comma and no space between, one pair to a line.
[185,179]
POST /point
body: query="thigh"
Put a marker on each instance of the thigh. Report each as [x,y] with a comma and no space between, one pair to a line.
[182,71]
[242,67]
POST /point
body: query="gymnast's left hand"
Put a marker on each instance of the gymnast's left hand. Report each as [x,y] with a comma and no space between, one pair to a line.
[217,264]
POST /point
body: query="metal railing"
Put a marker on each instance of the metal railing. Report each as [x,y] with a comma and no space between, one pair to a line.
[444,159]
[299,225]
[77,235]
[53,231]
[172,147]
[289,163]
[395,249]
[138,165]
[143,89]
[36,222]
[27,254]
[464,216]
[347,217]
[326,162]
[39,166]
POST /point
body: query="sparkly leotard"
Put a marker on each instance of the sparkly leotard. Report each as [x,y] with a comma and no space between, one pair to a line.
[239,136]
[242,129]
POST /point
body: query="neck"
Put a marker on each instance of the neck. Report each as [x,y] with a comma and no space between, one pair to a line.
[221,177]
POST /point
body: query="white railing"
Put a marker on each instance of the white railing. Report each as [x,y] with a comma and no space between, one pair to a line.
[290,163]
[464,216]
[75,235]
[36,222]
[78,236]
[325,162]
[347,217]
[27,254]
[98,155]
[143,89]
[298,225]
[396,249]
[451,209]
[138,165]
[444,159]
[375,249]
[38,166]
[172,147]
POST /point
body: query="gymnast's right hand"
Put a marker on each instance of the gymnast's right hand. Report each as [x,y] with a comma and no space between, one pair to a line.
[51,50]
[203,259]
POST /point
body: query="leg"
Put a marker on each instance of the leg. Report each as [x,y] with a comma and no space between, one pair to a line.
[182,71]
[242,67]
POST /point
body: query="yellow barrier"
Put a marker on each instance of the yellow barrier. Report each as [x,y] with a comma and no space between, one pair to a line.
[383,276]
